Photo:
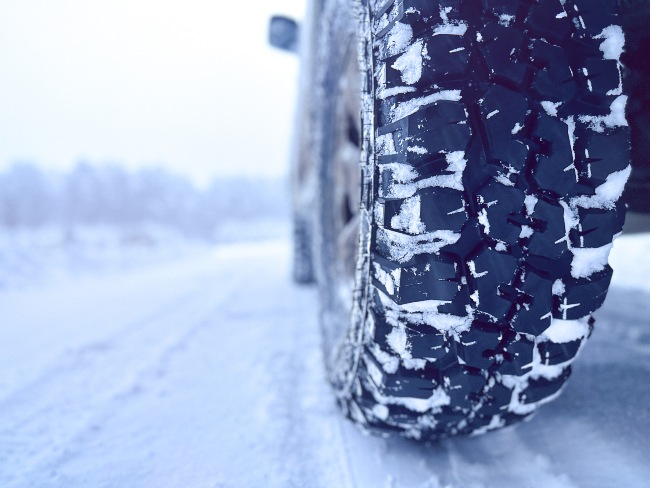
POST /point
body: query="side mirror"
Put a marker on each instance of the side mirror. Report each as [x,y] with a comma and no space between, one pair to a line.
[283,33]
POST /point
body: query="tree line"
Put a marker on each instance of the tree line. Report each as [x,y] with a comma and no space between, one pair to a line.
[110,194]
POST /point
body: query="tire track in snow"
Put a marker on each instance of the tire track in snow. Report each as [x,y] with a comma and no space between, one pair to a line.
[293,413]
[265,399]
[41,424]
[250,349]
[90,355]
[49,426]
[311,417]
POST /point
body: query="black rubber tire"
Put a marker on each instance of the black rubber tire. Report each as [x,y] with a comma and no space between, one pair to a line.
[303,262]
[494,155]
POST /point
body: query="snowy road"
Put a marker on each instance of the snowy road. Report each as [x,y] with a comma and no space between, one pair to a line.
[206,372]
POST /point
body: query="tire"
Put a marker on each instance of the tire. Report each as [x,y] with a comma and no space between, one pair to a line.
[303,261]
[494,151]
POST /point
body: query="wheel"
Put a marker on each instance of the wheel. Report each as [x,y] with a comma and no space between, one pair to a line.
[465,218]
[302,175]
[303,263]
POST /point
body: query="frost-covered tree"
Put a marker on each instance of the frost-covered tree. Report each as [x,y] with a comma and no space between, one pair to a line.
[111,195]
[26,196]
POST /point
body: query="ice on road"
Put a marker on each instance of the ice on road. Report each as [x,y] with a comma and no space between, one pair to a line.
[206,372]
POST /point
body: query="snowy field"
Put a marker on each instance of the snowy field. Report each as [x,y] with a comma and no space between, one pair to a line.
[203,370]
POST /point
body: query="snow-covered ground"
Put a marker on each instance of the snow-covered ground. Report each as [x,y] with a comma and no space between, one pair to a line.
[49,253]
[205,371]
[54,252]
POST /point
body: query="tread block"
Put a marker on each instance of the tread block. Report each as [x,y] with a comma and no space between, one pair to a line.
[424,15]
[398,132]
[554,171]
[534,314]
[446,366]
[549,21]
[435,165]
[475,344]
[600,154]
[496,399]
[518,355]
[382,328]
[457,306]
[491,271]
[493,268]
[539,389]
[547,240]
[463,387]
[553,353]
[442,208]
[584,296]
[603,75]
[500,48]
[597,14]
[403,383]
[432,346]
[437,128]
[450,59]
[499,204]
[589,103]
[554,81]
[598,226]
[416,386]
[552,269]
[428,279]
[504,111]
[447,59]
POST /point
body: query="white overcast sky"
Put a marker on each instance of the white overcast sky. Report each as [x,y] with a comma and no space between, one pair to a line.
[191,84]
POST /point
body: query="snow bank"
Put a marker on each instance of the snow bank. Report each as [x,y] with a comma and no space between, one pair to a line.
[629,259]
